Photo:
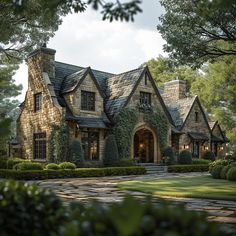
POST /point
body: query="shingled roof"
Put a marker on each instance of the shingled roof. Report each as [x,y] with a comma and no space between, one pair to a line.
[179,109]
[119,88]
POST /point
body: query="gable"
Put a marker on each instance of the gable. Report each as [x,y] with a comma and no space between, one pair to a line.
[201,124]
[217,132]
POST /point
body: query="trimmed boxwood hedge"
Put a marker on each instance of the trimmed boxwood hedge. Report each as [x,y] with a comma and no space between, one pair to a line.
[188,168]
[77,173]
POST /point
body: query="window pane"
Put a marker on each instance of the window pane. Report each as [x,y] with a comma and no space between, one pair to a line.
[87,101]
[40,146]
[37,101]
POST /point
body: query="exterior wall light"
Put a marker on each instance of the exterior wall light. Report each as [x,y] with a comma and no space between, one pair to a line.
[186,146]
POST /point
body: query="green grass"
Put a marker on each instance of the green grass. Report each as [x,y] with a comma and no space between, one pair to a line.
[194,187]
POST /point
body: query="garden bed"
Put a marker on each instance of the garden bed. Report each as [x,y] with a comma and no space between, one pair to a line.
[77,173]
[188,168]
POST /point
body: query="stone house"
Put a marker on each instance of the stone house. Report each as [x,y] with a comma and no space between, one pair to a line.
[88,101]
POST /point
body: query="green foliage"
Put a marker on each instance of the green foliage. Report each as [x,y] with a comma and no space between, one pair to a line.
[125,218]
[124,124]
[185,157]
[11,162]
[231,174]
[217,162]
[3,163]
[76,152]
[163,70]
[230,158]
[28,210]
[194,36]
[209,155]
[169,155]
[188,168]
[216,170]
[52,166]
[74,173]
[125,162]
[59,143]
[224,171]
[28,166]
[196,161]
[111,156]
[67,165]
[158,121]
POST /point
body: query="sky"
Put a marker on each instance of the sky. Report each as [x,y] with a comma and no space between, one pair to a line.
[85,40]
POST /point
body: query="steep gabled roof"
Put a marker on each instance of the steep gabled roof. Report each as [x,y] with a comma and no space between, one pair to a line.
[119,89]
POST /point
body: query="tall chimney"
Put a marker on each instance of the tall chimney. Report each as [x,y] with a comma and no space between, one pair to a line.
[174,90]
[45,58]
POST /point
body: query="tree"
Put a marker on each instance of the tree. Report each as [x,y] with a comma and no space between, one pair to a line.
[25,24]
[163,70]
[76,152]
[198,31]
[111,156]
[217,90]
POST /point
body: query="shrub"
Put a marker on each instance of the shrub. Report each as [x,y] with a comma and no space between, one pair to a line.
[13,161]
[217,162]
[28,210]
[197,161]
[52,166]
[188,168]
[3,163]
[231,174]
[224,171]
[136,217]
[216,170]
[67,166]
[28,166]
[126,162]
[77,173]
[209,155]
[230,158]
[185,157]
[76,152]
[111,156]
[169,156]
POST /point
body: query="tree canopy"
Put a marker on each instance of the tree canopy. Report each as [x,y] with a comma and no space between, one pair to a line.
[198,31]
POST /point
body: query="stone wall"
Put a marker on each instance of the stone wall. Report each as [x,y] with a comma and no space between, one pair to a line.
[29,121]
[192,126]
[73,99]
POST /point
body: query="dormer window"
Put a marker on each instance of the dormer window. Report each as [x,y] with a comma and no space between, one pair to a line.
[37,102]
[145,98]
[87,101]
[196,117]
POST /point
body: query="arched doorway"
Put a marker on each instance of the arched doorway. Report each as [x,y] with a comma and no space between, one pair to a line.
[143,146]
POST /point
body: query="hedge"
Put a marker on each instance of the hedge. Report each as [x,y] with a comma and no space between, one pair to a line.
[78,173]
[188,168]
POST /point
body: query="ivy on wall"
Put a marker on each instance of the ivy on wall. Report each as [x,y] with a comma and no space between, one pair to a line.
[124,124]
[59,143]
[158,121]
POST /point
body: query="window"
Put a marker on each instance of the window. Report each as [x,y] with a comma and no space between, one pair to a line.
[40,146]
[196,117]
[37,102]
[87,101]
[145,98]
[90,144]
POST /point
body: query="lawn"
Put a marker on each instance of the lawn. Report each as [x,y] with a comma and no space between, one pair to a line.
[194,187]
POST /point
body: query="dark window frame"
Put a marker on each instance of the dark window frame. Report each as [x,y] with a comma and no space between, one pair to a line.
[145,98]
[92,140]
[38,101]
[40,145]
[87,100]
[196,116]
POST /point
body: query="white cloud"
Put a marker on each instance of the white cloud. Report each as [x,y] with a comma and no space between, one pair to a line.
[85,40]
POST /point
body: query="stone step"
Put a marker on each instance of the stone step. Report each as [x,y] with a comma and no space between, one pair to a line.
[154,168]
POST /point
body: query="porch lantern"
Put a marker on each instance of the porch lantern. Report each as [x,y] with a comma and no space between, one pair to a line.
[221,148]
[205,147]
[186,146]
[141,145]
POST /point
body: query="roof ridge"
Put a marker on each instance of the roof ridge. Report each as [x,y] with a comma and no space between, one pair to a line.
[139,68]
[83,67]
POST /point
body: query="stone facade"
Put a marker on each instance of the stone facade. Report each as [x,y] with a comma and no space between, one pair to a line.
[61,86]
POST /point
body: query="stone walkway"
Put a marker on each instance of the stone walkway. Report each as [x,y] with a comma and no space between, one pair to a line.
[104,189]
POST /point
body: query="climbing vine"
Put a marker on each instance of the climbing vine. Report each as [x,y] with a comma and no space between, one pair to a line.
[59,143]
[158,121]
[124,124]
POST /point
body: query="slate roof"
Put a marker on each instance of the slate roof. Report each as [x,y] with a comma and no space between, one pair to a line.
[198,136]
[119,87]
[180,109]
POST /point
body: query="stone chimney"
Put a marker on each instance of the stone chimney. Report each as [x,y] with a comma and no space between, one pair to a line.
[45,58]
[174,90]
